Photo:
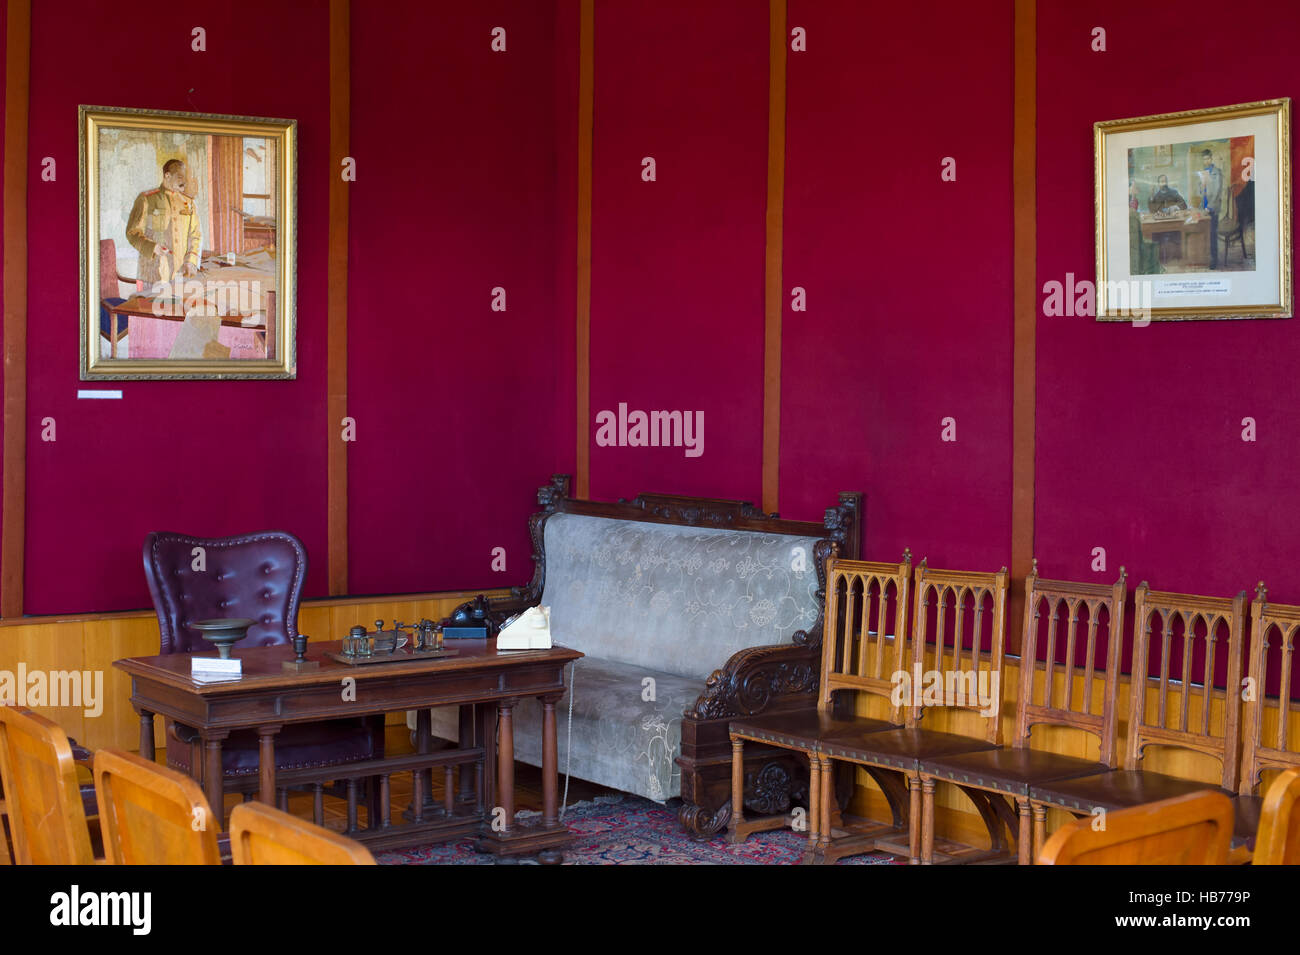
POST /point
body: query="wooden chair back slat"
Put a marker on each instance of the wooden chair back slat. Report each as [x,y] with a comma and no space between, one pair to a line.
[1195,829]
[1188,612]
[1051,597]
[1273,635]
[1071,638]
[982,596]
[46,817]
[1089,667]
[858,654]
[260,835]
[1284,688]
[1051,656]
[1166,628]
[1278,839]
[151,815]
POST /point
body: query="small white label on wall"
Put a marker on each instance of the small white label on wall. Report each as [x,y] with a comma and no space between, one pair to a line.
[99,393]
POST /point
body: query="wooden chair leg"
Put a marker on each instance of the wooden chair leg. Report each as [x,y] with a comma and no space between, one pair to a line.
[815,821]
[737,790]
[827,787]
[926,824]
[913,814]
[1040,829]
[1025,836]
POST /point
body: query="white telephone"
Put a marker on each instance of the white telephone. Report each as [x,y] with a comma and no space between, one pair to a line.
[531,630]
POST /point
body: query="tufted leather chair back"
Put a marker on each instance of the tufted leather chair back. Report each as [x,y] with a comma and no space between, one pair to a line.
[258,576]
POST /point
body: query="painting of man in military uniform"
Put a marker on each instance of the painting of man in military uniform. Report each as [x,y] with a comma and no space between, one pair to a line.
[188,244]
[164,228]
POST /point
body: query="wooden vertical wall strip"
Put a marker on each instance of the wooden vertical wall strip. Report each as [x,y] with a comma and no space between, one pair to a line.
[586,103]
[773,299]
[1024,185]
[17,86]
[337,311]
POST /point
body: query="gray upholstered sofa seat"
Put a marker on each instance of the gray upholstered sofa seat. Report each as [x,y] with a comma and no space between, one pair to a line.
[620,738]
[656,608]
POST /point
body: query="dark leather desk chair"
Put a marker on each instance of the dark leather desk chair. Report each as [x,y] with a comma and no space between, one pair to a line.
[257,576]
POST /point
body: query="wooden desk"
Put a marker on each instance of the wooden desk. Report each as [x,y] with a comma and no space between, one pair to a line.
[215,280]
[1193,237]
[268,697]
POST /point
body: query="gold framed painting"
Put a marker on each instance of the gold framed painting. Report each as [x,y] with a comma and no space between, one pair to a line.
[1194,214]
[188,245]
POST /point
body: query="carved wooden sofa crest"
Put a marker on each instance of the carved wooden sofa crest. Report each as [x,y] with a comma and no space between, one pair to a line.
[691,612]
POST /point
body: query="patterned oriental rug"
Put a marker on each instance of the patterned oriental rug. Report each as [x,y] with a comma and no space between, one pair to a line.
[629,830]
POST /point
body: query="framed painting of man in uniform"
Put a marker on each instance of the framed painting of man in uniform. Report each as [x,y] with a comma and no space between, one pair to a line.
[1194,214]
[188,245]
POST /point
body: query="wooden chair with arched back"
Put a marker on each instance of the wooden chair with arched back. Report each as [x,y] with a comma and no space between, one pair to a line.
[864,643]
[1182,710]
[1193,829]
[260,835]
[969,628]
[1052,631]
[152,815]
[1269,743]
[47,818]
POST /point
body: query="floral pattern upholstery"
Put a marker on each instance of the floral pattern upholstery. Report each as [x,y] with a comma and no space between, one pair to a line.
[656,608]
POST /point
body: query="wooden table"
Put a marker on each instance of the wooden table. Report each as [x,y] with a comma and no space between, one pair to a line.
[487,684]
[1193,237]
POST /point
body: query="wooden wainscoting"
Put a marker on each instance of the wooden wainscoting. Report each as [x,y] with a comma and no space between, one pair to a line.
[955,816]
[91,642]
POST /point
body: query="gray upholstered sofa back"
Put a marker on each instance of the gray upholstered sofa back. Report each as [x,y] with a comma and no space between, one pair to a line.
[677,599]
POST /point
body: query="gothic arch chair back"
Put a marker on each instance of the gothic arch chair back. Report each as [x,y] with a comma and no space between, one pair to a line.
[1064,622]
[1270,740]
[958,627]
[1188,640]
[864,643]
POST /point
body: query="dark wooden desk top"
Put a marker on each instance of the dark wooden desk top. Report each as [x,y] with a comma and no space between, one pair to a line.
[263,670]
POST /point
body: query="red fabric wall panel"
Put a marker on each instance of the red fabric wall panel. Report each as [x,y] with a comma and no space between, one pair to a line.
[456,405]
[211,458]
[908,277]
[1139,446]
[677,264]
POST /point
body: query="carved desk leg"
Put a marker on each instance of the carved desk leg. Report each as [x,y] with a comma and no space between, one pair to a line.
[213,777]
[506,765]
[147,750]
[544,839]
[550,779]
[266,763]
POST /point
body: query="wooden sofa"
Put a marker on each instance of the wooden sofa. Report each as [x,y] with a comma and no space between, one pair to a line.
[691,612]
